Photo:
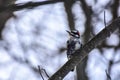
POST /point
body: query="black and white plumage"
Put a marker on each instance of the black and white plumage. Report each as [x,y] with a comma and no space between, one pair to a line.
[73,43]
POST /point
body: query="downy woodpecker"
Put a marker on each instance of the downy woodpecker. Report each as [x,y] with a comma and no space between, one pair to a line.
[73,43]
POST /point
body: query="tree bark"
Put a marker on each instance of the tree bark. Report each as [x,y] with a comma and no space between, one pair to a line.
[4,16]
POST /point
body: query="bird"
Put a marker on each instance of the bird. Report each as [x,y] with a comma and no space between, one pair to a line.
[73,43]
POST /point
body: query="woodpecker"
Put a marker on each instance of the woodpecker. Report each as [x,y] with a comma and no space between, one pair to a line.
[73,43]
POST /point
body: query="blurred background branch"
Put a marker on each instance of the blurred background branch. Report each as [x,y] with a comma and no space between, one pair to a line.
[28,5]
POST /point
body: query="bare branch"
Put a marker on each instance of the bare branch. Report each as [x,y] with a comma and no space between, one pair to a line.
[68,8]
[104,19]
[16,7]
[80,54]
[40,72]
[114,8]
[45,73]
[108,75]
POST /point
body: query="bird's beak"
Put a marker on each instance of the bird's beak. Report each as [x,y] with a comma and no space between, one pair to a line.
[68,31]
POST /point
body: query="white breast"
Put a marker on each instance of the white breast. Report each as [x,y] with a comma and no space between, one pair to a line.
[78,44]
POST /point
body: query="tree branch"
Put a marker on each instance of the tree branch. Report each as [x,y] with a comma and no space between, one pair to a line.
[16,7]
[68,8]
[108,75]
[79,55]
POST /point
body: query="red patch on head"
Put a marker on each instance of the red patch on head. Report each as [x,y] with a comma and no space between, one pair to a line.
[78,33]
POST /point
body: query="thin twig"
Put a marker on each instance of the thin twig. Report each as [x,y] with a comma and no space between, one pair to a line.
[104,19]
[108,75]
[40,72]
[46,73]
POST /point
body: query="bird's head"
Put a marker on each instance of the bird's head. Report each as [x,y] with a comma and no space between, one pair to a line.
[74,33]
